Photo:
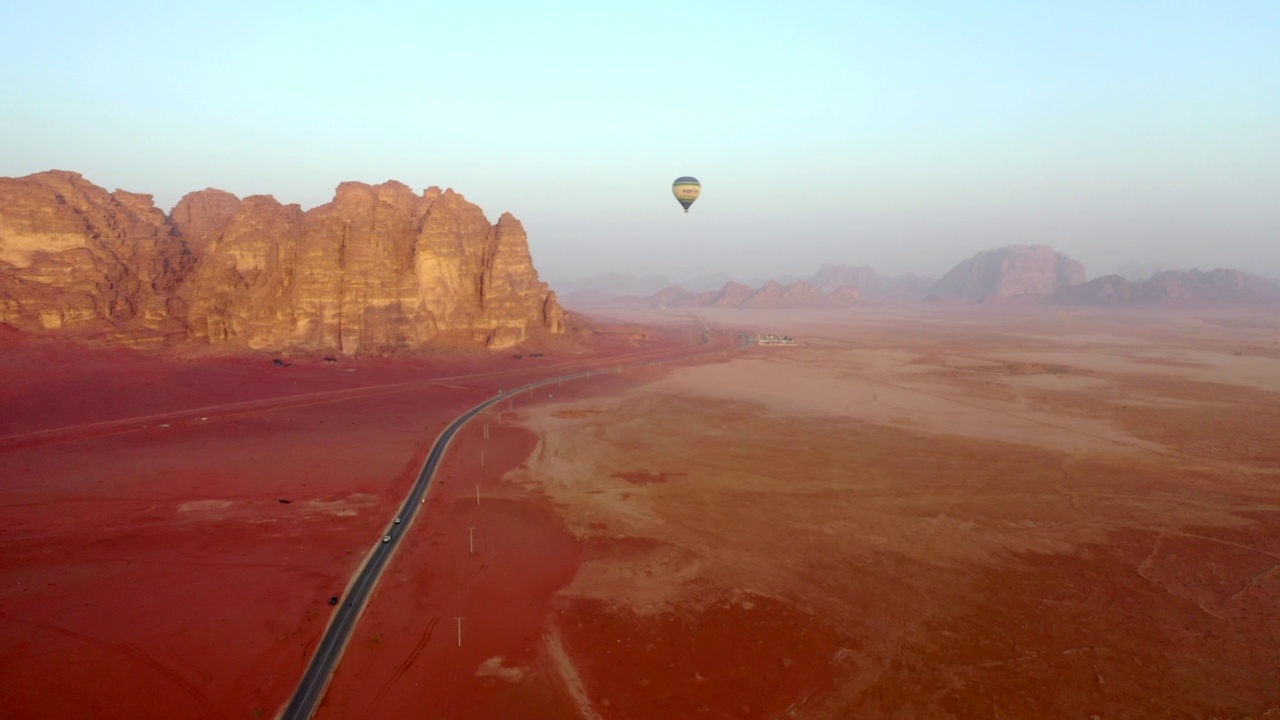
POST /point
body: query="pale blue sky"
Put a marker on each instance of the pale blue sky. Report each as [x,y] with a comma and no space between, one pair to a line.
[907,136]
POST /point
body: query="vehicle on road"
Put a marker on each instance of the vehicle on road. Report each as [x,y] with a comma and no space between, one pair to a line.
[397,521]
[386,538]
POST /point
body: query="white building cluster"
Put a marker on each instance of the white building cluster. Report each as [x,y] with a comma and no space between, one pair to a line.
[775,340]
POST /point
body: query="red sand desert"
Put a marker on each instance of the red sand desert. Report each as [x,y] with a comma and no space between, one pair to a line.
[925,513]
[174,529]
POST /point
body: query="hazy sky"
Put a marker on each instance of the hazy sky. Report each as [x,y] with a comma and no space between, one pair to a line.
[904,135]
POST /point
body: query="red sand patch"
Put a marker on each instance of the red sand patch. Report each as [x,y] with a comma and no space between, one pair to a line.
[405,660]
[148,563]
[666,665]
[168,551]
[1025,576]
[1082,635]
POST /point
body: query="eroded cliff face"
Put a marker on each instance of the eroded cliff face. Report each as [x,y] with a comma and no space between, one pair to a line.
[200,217]
[379,269]
[71,253]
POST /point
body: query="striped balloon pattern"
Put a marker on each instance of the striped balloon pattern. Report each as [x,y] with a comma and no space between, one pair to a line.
[686,190]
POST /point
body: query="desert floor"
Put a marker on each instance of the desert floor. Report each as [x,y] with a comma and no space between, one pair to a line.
[171,529]
[935,513]
[923,513]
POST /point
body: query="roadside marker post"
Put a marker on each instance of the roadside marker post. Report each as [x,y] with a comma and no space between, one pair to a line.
[459,619]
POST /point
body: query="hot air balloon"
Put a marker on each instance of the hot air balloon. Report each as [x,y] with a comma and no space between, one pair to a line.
[686,190]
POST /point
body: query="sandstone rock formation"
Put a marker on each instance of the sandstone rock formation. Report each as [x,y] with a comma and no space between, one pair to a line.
[1008,272]
[379,269]
[200,217]
[72,253]
[776,295]
[733,294]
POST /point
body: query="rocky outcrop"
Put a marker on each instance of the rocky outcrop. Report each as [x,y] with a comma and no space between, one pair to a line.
[379,269]
[200,217]
[793,295]
[1010,272]
[733,294]
[72,254]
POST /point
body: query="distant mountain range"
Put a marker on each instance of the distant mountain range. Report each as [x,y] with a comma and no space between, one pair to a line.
[1015,273]
[831,285]
[1174,287]
[620,284]
[772,294]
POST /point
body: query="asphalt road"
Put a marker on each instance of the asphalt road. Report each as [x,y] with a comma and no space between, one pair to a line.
[306,698]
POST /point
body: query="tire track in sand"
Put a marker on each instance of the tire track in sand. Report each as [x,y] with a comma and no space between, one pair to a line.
[402,668]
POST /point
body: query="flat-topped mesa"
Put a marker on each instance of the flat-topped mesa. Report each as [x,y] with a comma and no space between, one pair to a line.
[378,269]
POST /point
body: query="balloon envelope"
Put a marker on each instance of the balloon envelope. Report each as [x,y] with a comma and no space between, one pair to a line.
[686,190]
